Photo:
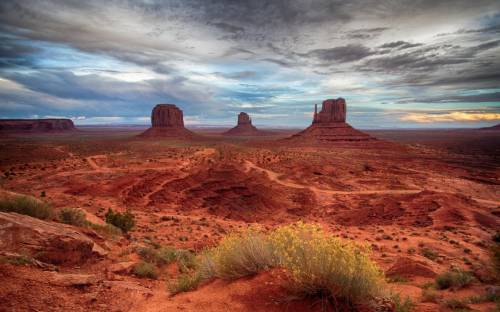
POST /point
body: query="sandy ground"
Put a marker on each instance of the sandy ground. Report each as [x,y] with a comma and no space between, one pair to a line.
[424,190]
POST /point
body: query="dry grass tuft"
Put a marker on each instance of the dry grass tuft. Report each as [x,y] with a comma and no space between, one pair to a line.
[27,205]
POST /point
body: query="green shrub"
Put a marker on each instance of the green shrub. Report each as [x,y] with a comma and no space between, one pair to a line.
[124,221]
[72,216]
[429,254]
[27,205]
[495,261]
[456,304]
[162,256]
[17,260]
[430,295]
[496,237]
[145,269]
[401,305]
[108,230]
[184,282]
[454,279]
[186,260]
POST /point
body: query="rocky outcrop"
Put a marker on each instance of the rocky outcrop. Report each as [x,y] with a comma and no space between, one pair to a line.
[244,126]
[49,242]
[75,280]
[36,125]
[407,267]
[167,121]
[329,126]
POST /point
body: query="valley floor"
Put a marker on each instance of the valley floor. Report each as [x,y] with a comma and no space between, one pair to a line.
[424,203]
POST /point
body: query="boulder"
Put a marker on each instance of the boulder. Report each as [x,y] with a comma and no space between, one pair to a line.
[167,121]
[36,125]
[58,279]
[122,267]
[50,242]
[407,267]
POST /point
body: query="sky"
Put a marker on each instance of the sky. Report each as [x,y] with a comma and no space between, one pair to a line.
[398,63]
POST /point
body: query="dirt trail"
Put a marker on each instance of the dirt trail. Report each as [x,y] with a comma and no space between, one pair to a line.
[60,148]
[274,176]
[90,160]
[206,152]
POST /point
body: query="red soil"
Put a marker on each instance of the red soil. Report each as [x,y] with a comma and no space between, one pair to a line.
[400,199]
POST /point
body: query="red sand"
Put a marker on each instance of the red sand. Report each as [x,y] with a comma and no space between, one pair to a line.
[398,198]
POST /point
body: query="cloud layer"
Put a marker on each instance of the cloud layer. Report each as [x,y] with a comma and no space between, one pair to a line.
[394,62]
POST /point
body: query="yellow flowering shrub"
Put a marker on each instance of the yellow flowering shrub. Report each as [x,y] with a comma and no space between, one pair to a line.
[318,263]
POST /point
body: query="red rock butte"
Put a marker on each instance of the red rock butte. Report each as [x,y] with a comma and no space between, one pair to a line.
[329,125]
[36,125]
[167,121]
[244,126]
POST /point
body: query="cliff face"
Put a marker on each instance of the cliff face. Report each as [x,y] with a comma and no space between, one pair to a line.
[167,115]
[331,111]
[36,125]
[167,121]
[244,119]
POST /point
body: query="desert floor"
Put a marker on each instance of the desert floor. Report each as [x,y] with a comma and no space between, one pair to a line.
[418,191]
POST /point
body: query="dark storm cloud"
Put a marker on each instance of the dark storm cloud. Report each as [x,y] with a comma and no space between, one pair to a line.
[491,29]
[66,85]
[475,98]
[487,78]
[485,46]
[426,58]
[238,75]
[278,61]
[342,54]
[399,45]
[366,33]
[228,27]
[14,52]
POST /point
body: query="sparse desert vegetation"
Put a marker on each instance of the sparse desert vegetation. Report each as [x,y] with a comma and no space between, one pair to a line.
[72,216]
[27,205]
[454,279]
[176,222]
[124,221]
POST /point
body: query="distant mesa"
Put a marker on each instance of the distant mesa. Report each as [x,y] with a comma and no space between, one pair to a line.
[329,125]
[167,121]
[36,125]
[244,127]
[495,127]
